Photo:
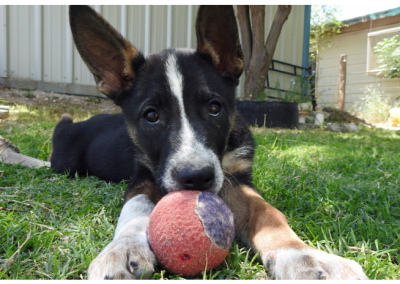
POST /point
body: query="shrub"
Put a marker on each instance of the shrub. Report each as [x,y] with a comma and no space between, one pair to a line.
[389,56]
[375,106]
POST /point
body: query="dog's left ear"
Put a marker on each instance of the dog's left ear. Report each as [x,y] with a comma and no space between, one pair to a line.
[112,59]
[218,37]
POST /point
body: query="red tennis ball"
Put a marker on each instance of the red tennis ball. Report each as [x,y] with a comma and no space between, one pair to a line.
[190,231]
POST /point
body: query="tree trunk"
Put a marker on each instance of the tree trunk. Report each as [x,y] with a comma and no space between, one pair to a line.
[245,31]
[254,83]
[259,58]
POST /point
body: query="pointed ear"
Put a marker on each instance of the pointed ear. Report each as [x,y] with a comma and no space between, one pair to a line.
[217,36]
[111,58]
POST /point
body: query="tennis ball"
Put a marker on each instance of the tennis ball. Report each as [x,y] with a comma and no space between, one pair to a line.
[190,231]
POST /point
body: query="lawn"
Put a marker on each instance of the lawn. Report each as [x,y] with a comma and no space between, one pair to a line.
[340,193]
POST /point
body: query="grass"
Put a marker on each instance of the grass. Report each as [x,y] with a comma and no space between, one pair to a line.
[337,191]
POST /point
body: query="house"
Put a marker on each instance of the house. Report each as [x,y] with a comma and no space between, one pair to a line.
[37,50]
[362,78]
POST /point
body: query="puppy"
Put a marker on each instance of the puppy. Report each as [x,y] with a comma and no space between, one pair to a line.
[179,131]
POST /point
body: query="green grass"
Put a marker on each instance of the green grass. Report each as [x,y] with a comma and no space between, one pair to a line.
[337,190]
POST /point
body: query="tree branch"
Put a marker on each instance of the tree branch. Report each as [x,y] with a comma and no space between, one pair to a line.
[258,55]
[280,18]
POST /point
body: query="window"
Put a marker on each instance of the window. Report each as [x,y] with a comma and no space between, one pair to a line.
[373,39]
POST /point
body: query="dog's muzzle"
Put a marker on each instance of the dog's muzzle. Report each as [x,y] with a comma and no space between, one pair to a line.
[201,179]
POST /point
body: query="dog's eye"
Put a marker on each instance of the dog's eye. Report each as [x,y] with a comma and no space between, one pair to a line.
[151,116]
[214,109]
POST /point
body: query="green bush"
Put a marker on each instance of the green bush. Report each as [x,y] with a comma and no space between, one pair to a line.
[375,106]
[389,56]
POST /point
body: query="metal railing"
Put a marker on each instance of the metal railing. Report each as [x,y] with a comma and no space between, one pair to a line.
[303,70]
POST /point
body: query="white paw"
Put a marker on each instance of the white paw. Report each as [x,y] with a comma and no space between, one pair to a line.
[129,255]
[123,258]
[308,263]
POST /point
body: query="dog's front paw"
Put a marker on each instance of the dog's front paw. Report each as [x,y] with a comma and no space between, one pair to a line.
[123,258]
[308,263]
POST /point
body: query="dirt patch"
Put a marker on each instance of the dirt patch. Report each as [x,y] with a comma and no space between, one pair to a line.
[341,116]
[39,98]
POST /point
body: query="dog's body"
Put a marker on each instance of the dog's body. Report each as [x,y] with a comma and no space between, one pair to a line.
[99,146]
[182,131]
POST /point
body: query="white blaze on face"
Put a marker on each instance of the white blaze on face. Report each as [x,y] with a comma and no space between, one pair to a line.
[191,152]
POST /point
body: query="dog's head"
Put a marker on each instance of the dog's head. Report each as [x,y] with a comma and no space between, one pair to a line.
[179,104]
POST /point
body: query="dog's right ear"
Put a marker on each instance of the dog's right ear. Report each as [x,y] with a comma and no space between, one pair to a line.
[112,59]
[218,37]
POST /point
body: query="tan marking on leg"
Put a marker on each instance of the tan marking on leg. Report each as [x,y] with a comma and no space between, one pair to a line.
[147,188]
[258,223]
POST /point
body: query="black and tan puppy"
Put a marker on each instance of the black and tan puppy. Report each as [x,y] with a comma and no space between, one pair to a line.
[179,130]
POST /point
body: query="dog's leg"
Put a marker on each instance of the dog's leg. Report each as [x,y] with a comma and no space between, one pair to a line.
[129,256]
[10,155]
[260,225]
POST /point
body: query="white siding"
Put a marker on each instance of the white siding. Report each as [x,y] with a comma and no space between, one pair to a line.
[355,46]
[36,43]
[54,43]
[3,42]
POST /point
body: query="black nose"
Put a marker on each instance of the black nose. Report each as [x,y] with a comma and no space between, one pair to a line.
[199,179]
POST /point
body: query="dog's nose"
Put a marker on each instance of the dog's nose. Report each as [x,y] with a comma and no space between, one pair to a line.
[198,179]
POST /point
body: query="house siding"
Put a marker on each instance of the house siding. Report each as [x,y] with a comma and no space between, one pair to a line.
[37,50]
[354,45]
